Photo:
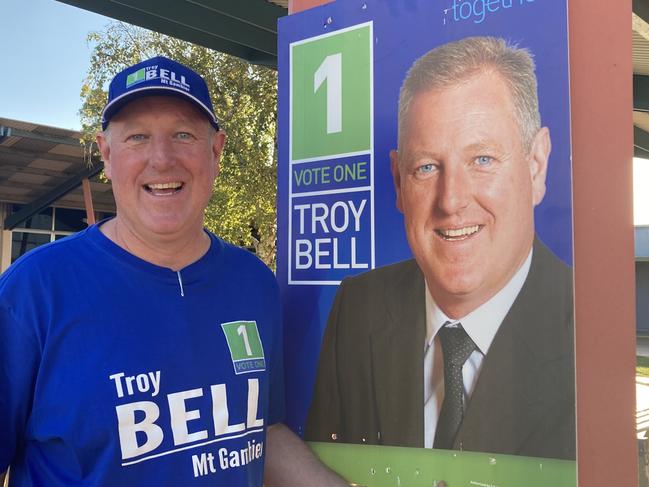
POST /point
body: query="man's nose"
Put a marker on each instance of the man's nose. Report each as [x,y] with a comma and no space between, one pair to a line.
[162,154]
[454,189]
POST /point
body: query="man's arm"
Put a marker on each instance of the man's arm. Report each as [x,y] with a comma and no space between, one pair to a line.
[290,462]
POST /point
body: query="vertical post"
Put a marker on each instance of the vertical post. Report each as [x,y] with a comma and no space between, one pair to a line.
[5,242]
[87,200]
[602,141]
[295,6]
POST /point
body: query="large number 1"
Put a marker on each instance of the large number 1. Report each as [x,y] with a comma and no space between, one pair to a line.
[243,332]
[331,70]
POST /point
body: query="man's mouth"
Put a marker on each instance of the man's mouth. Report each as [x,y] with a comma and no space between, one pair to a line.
[463,233]
[163,189]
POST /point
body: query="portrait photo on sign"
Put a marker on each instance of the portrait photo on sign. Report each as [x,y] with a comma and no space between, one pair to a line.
[469,345]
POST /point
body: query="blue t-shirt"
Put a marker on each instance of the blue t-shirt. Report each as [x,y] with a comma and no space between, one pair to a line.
[118,372]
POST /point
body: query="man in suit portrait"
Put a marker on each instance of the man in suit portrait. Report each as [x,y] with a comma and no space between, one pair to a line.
[469,345]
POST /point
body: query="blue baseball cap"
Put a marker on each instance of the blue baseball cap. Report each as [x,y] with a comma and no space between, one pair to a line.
[157,76]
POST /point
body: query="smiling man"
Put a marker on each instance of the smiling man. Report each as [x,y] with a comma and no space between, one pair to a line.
[469,345]
[145,350]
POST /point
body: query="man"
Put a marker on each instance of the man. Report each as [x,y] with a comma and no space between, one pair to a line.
[145,350]
[470,345]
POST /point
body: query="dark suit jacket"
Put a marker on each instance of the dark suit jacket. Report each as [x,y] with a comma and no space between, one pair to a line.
[370,380]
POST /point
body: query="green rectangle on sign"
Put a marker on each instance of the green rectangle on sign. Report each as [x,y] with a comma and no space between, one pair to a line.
[331,94]
[385,466]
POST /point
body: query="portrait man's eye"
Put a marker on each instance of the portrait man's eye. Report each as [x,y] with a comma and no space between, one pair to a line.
[483,160]
[425,170]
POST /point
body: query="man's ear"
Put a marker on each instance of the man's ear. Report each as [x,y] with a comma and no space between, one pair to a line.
[218,143]
[396,177]
[104,149]
[538,161]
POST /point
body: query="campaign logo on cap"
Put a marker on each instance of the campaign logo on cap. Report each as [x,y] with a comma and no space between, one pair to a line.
[157,76]
[136,77]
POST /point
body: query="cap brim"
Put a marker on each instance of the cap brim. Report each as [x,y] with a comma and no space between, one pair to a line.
[111,109]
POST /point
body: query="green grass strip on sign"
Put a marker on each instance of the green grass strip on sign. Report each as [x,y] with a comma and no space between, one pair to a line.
[383,466]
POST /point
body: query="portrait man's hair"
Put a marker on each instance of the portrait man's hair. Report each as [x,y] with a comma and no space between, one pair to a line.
[446,65]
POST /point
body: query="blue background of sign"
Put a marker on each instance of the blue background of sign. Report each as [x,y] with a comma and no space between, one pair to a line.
[403,31]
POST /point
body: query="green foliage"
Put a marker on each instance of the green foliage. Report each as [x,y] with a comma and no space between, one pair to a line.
[242,208]
[642,366]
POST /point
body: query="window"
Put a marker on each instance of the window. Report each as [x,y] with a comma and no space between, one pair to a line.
[46,226]
[22,242]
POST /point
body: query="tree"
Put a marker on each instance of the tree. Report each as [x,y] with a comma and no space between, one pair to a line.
[242,208]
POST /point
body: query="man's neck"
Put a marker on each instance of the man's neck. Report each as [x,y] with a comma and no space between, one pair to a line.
[481,323]
[457,307]
[172,252]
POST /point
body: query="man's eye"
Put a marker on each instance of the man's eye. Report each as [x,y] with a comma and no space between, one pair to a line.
[184,135]
[137,137]
[426,169]
[483,160]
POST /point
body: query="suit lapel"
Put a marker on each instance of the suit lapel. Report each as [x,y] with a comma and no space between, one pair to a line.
[398,357]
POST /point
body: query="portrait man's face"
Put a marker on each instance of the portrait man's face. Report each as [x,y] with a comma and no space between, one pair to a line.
[467,188]
[162,157]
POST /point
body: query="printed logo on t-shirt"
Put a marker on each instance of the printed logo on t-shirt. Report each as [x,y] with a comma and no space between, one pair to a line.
[223,420]
[245,346]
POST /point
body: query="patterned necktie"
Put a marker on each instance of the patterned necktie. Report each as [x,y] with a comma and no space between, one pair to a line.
[456,348]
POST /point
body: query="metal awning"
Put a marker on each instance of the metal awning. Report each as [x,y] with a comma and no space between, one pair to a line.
[640,24]
[243,28]
[41,166]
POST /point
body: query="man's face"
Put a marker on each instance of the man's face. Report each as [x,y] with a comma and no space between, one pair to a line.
[162,157]
[467,189]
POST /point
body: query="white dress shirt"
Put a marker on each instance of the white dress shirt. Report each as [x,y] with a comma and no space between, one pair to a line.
[481,325]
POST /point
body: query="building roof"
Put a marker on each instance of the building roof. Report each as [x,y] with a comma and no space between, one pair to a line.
[42,165]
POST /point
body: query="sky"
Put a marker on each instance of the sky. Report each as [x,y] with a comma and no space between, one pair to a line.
[45,57]
[42,71]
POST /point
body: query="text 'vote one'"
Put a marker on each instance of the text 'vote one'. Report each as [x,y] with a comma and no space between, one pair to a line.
[307,176]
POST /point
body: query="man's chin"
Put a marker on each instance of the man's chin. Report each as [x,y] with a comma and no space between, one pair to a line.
[456,294]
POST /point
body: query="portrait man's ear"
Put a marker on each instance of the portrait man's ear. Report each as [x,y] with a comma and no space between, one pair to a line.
[396,177]
[538,160]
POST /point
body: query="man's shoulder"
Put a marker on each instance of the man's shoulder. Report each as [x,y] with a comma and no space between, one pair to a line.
[37,272]
[241,261]
[387,272]
[50,255]
[548,272]
[397,274]
[543,309]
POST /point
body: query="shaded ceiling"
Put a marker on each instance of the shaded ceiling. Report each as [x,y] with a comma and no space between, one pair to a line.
[640,25]
[243,28]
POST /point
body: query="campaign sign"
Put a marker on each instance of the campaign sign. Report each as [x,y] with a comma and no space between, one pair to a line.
[330,189]
[424,184]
